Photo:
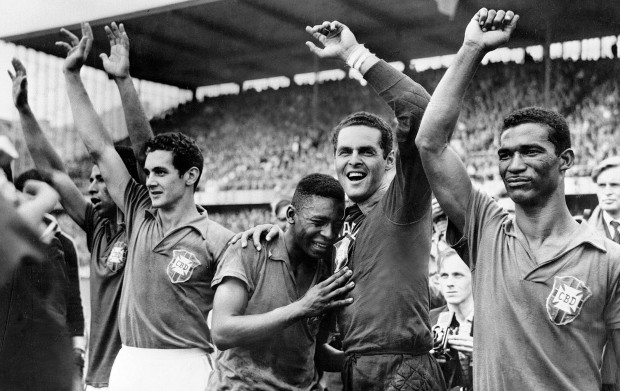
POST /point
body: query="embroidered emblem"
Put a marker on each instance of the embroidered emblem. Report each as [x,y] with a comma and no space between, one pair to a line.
[181,266]
[117,257]
[566,299]
[341,258]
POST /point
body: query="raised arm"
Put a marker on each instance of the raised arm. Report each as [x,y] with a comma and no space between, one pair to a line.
[117,66]
[232,328]
[446,172]
[45,158]
[94,135]
[392,85]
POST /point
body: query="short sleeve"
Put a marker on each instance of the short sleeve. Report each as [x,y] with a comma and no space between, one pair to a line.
[481,211]
[612,310]
[238,263]
[136,201]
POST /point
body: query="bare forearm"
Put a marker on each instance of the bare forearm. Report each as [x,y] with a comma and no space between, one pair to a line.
[42,152]
[137,123]
[445,105]
[234,331]
[87,122]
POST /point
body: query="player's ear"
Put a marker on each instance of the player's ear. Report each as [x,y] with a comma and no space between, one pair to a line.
[290,214]
[567,159]
[191,176]
[389,161]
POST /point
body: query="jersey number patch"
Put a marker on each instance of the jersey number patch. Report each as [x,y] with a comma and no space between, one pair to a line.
[181,266]
[566,299]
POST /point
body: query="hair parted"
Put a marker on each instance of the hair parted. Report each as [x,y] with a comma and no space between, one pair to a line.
[559,134]
[362,118]
[320,185]
[606,164]
[185,152]
[443,255]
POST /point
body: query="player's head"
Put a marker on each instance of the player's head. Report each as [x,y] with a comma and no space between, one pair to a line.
[173,166]
[97,189]
[315,214]
[454,277]
[606,175]
[279,213]
[362,154]
[534,154]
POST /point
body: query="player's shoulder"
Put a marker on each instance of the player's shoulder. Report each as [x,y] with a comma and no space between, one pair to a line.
[216,236]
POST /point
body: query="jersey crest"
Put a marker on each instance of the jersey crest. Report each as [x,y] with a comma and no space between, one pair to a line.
[181,266]
[566,299]
[117,257]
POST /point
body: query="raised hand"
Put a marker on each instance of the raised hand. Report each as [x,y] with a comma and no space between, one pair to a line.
[117,64]
[325,295]
[338,46]
[20,84]
[77,49]
[489,29]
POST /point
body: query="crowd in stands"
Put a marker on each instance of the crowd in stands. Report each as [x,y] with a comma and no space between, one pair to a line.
[269,140]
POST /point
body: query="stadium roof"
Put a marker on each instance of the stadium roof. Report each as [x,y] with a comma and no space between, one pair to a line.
[196,43]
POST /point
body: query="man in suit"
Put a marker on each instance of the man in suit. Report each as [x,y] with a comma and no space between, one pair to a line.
[606,219]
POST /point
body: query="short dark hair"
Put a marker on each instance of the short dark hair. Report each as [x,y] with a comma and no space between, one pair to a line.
[320,185]
[362,118]
[185,152]
[32,174]
[129,159]
[559,134]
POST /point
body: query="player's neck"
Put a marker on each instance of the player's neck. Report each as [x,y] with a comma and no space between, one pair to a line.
[178,214]
[368,204]
[297,257]
[554,220]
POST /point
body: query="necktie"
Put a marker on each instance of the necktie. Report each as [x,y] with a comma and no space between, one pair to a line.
[616,233]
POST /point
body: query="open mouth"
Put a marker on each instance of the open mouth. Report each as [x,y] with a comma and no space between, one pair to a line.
[356,176]
[95,201]
[319,246]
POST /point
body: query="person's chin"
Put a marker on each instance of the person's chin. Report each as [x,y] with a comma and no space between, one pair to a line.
[357,194]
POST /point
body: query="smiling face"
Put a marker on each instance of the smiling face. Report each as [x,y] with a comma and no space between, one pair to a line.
[359,161]
[165,184]
[316,225]
[99,196]
[608,191]
[455,280]
[528,164]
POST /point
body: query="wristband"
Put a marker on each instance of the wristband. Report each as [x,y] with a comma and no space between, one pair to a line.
[365,56]
[355,55]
